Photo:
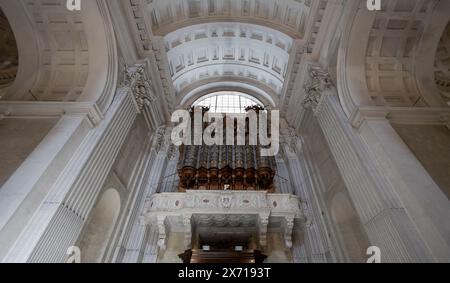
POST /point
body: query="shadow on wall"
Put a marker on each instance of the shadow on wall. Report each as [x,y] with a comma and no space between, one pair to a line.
[100,227]
[349,231]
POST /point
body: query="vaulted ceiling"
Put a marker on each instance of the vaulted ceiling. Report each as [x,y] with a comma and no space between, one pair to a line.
[288,16]
[230,52]
[442,65]
[9,56]
[239,45]
[390,53]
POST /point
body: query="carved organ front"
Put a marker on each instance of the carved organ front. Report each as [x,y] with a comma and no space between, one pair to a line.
[225,167]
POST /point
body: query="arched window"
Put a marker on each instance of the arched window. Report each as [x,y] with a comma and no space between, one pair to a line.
[227,102]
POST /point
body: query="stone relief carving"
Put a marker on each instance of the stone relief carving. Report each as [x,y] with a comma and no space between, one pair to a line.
[159,139]
[224,209]
[292,140]
[319,82]
[136,79]
[171,152]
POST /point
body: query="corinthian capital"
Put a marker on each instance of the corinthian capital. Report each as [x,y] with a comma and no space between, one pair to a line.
[137,80]
[319,81]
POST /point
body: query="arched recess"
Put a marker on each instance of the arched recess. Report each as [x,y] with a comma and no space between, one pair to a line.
[351,236]
[9,55]
[383,53]
[27,48]
[426,52]
[103,66]
[62,58]
[205,87]
[100,226]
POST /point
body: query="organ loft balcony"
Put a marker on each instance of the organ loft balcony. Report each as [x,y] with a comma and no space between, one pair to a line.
[226,207]
[223,221]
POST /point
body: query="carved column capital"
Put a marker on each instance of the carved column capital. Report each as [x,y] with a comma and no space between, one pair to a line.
[159,140]
[138,81]
[316,86]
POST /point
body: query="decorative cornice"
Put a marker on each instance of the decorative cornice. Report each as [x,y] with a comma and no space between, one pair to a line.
[292,74]
[402,115]
[16,109]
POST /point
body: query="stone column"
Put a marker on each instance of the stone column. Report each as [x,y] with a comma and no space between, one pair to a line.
[315,246]
[134,244]
[427,206]
[58,221]
[151,248]
[33,176]
[387,222]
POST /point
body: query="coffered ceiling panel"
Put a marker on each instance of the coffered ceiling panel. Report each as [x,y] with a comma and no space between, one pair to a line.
[288,16]
[220,50]
[390,53]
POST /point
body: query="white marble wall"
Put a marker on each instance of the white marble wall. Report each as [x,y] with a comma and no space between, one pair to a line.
[18,138]
[58,220]
[431,145]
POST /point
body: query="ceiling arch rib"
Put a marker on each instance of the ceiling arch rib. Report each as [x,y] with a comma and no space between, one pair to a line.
[223,50]
[289,16]
[442,65]
[205,88]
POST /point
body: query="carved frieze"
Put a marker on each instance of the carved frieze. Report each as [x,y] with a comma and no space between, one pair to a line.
[213,202]
[222,209]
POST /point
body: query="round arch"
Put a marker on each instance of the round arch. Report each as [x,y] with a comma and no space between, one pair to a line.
[203,88]
[351,58]
[236,102]
[89,78]
[27,46]
[375,68]
[103,58]
[426,54]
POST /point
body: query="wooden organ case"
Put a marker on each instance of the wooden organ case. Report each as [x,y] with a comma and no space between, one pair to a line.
[226,167]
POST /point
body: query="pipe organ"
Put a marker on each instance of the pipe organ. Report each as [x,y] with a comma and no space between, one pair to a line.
[225,167]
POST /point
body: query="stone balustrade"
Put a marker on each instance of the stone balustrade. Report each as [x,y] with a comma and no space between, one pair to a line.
[182,207]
